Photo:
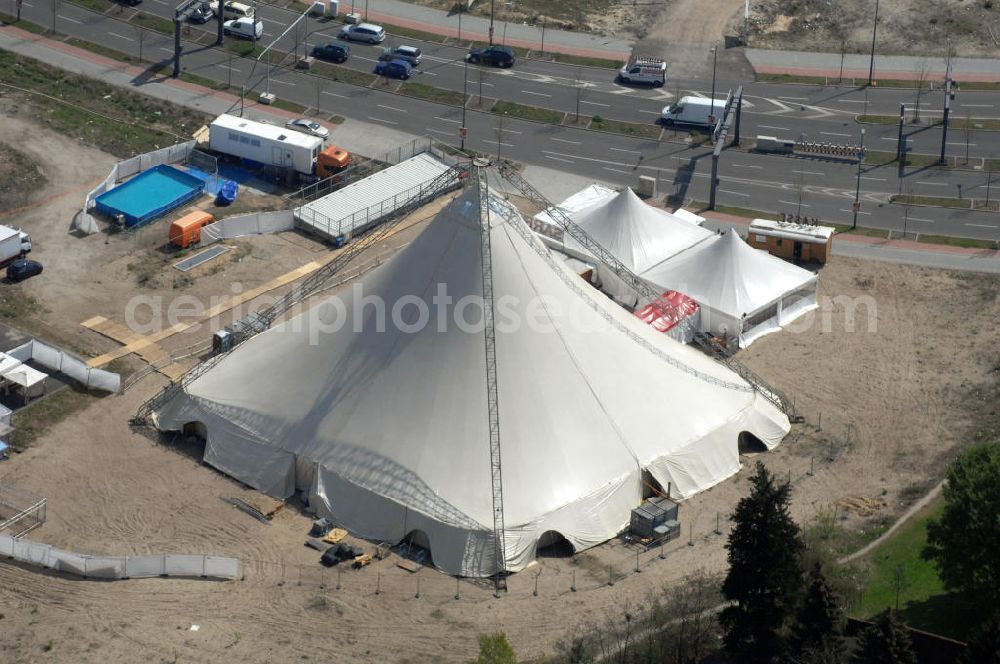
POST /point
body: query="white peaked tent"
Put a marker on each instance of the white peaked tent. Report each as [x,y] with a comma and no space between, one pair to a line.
[637,234]
[386,428]
[742,291]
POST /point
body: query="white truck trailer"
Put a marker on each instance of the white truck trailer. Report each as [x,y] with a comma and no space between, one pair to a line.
[264,143]
[14,243]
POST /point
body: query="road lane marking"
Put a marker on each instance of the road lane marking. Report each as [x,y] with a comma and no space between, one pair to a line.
[852,101]
[537,94]
[334,94]
[651,112]
[392,108]
[933,184]
[280,82]
[746,166]
[624,150]
[568,161]
[866,177]
[808,172]
[794,203]
[458,122]
[226,67]
[426,73]
[167,50]
[563,140]
[505,130]
[616,170]
[962,105]
[770,127]
[115,34]
[928,221]
[734,193]
[795,98]
[981,226]
[438,131]
[859,212]
[971,145]
[381,120]
[595,103]
[71,20]
[833,133]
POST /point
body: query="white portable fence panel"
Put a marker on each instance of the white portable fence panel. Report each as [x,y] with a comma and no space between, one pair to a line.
[255,223]
[61,361]
[119,567]
[141,567]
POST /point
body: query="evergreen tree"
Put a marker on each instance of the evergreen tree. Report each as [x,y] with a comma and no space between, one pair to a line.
[984,643]
[765,575]
[816,632]
[885,642]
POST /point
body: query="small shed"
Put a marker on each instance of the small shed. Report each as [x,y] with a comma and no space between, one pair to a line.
[788,240]
[187,230]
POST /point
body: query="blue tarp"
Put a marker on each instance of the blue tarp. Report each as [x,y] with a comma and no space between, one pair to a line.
[227,193]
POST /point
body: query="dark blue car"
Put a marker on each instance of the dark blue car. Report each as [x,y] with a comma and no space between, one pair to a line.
[22,269]
[332,51]
[394,69]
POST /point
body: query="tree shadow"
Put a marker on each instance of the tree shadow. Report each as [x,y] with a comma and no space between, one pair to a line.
[952,614]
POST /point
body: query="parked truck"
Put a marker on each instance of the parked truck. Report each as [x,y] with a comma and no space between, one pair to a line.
[694,111]
[273,145]
[14,244]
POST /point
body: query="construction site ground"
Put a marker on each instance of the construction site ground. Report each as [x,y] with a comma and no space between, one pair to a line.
[886,407]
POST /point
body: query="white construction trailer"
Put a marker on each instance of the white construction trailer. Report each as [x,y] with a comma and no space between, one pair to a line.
[264,143]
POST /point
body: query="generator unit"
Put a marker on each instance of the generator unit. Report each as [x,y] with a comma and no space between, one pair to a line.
[654,519]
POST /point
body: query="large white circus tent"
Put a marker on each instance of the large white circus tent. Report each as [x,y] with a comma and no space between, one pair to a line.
[385,427]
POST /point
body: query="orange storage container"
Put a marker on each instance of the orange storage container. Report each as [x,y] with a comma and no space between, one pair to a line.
[187,230]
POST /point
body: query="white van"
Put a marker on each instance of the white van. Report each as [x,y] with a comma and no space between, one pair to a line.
[232,10]
[693,111]
[652,71]
[247,28]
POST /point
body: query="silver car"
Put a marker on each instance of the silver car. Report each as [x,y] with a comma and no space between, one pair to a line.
[307,126]
[363,32]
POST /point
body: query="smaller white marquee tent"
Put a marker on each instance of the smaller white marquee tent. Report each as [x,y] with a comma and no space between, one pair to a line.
[743,292]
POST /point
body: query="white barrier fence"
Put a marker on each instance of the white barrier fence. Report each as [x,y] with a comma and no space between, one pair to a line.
[66,364]
[123,169]
[119,567]
[256,223]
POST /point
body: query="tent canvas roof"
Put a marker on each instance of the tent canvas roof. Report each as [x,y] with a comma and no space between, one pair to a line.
[7,363]
[730,276]
[638,234]
[387,427]
[24,376]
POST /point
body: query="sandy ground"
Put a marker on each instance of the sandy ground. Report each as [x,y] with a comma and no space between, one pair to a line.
[896,401]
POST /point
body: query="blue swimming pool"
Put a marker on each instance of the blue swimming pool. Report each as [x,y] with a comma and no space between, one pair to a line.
[149,195]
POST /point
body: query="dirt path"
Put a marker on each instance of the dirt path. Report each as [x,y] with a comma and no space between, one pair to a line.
[685,34]
[903,519]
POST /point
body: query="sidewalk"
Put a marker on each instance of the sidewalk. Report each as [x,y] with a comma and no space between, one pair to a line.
[476,28]
[901,67]
[367,138]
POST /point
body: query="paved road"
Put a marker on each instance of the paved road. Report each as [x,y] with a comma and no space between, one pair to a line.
[810,187]
[814,113]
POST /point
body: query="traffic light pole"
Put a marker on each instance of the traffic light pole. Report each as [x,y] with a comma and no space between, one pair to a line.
[947,111]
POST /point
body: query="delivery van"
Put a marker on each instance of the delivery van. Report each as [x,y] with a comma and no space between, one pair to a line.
[651,71]
[693,111]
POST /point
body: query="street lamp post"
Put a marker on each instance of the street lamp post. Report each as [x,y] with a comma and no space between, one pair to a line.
[715,60]
[871,65]
[492,8]
[857,190]
[465,102]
